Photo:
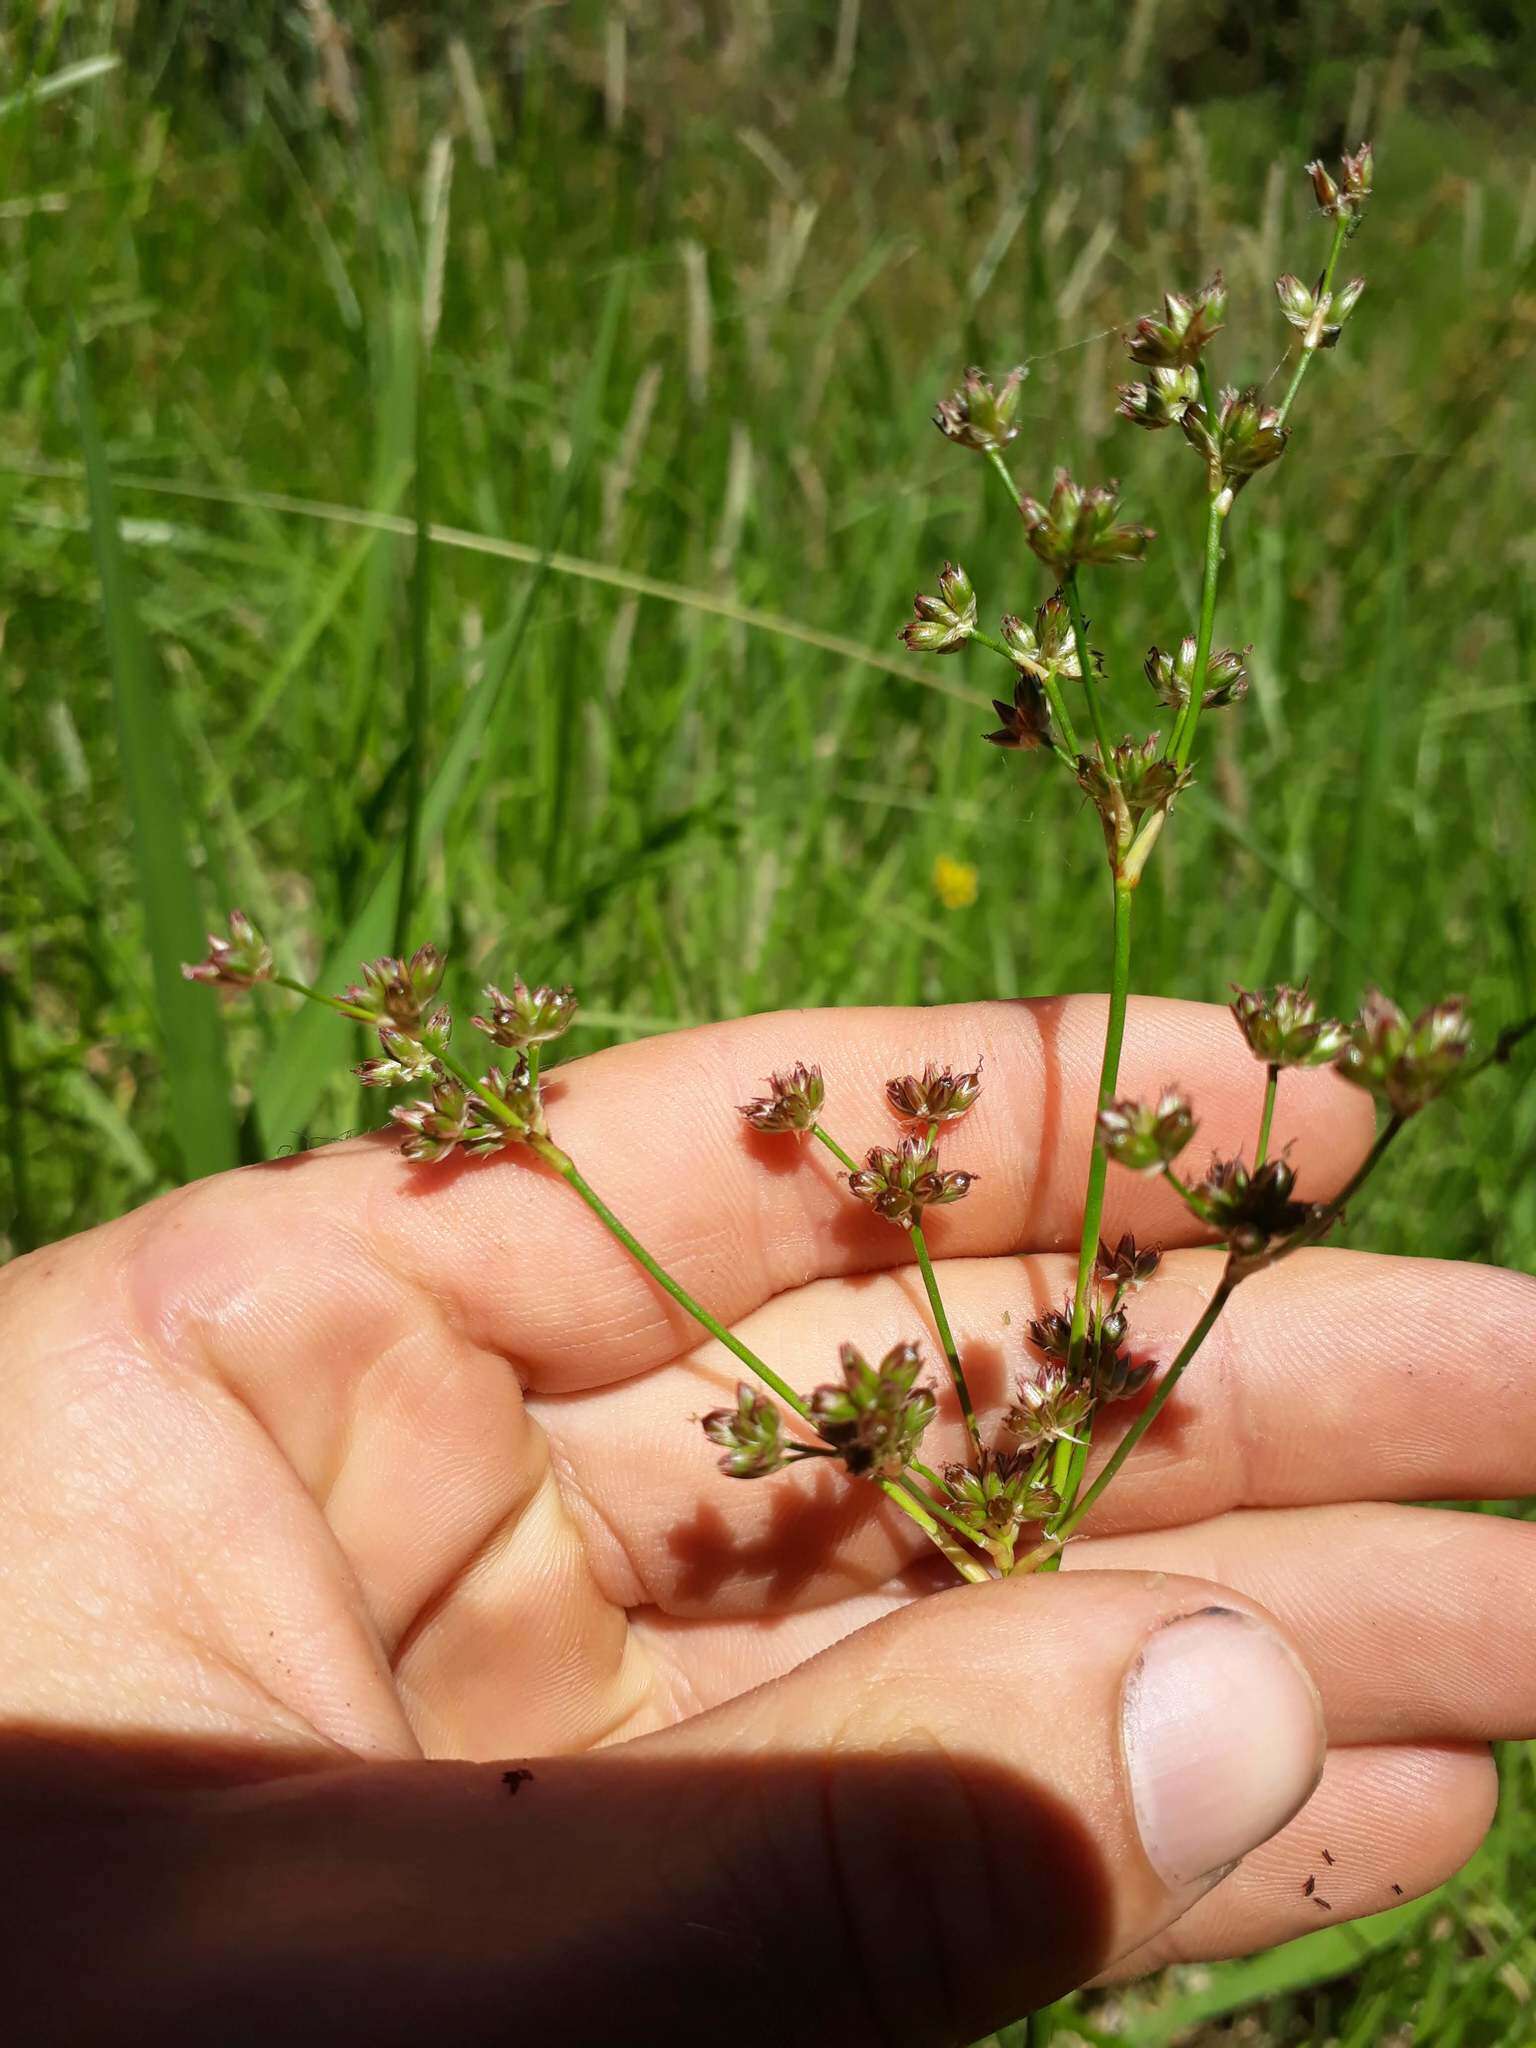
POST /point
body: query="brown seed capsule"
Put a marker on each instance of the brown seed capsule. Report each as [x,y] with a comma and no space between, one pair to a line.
[937,1096]
[792,1103]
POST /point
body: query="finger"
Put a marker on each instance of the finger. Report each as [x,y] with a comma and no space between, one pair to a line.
[521,1266]
[945,1821]
[1395,1822]
[1397,1609]
[1337,1376]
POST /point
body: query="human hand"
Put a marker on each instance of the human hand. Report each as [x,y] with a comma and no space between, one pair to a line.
[323,1482]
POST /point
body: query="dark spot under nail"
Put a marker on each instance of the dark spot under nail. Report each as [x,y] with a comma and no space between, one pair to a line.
[514,1779]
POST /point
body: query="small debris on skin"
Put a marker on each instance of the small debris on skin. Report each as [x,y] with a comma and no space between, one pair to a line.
[1323,1905]
[1328,1856]
[1309,1888]
[513,1780]
[1398,1889]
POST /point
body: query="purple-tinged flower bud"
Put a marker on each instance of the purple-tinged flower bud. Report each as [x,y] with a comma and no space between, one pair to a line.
[749,1434]
[239,961]
[937,1096]
[1172,676]
[1324,189]
[1191,320]
[1127,1265]
[1405,1065]
[436,1125]
[943,623]
[1079,526]
[978,417]
[875,1420]
[1252,1211]
[397,992]
[792,1103]
[1001,1495]
[1347,198]
[1051,1333]
[1051,1408]
[1146,1137]
[405,1058]
[1297,302]
[528,1016]
[1026,722]
[1162,400]
[1245,437]
[900,1183]
[1048,648]
[1283,1027]
[1138,782]
[522,1109]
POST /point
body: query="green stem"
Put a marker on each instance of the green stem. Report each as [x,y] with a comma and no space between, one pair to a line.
[1064,1526]
[1340,236]
[1109,1074]
[569,1172]
[834,1148]
[1085,663]
[314,995]
[1003,471]
[946,1338]
[1271,1083]
[1071,1460]
[1183,739]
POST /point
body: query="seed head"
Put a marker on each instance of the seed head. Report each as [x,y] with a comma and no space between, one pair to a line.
[1320,316]
[900,1183]
[1172,676]
[1138,782]
[1026,722]
[943,623]
[937,1096]
[1048,649]
[408,1059]
[1191,320]
[397,992]
[1346,197]
[1163,400]
[1254,1210]
[876,1418]
[521,1100]
[793,1100]
[1245,437]
[1405,1065]
[1001,1495]
[1078,525]
[1146,1137]
[1127,1265]
[977,416]
[749,1434]
[1283,1028]
[1050,1408]
[528,1016]
[455,1118]
[239,961]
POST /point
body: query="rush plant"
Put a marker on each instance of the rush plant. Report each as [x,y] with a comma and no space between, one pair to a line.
[1021,1491]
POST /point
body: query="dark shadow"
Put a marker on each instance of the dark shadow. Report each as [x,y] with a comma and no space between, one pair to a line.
[814,1511]
[170,1893]
[1045,1013]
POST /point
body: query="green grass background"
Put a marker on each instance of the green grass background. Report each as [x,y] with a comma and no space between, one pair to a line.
[697,275]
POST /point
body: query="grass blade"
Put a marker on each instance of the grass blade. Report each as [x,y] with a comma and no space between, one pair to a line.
[202,1121]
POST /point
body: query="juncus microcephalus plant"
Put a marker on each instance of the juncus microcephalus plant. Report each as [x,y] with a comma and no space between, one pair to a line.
[1018,1494]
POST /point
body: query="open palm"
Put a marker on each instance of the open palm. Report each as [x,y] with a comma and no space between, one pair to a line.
[340,1459]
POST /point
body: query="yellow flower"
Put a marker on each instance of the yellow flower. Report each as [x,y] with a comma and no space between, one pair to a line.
[954,882]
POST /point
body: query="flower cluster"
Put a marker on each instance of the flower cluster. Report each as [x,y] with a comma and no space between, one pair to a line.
[1283,1027]
[1078,526]
[1172,676]
[899,1182]
[1146,1137]
[528,1016]
[1245,436]
[1318,315]
[876,1417]
[238,962]
[1405,1063]
[944,623]
[791,1103]
[978,417]
[1346,197]
[1004,1491]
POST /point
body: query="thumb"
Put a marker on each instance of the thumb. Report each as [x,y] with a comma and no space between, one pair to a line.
[947,1820]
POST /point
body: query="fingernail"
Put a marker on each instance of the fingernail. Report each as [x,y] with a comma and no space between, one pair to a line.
[1223,1739]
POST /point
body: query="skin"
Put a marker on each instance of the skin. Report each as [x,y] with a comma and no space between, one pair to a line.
[331,1488]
